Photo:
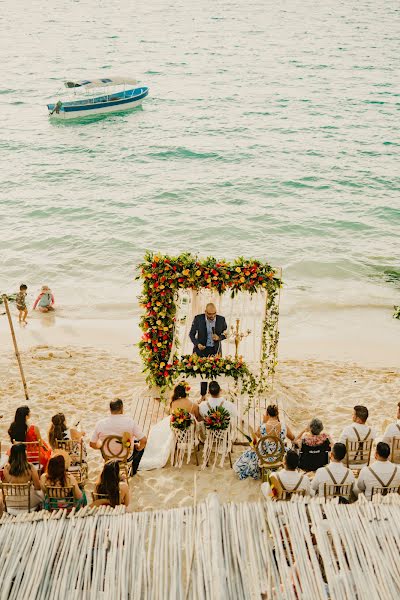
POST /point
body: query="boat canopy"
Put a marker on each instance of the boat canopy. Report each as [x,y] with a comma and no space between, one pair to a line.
[104,82]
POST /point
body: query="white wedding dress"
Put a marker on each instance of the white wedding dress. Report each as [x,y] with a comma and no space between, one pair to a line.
[159,446]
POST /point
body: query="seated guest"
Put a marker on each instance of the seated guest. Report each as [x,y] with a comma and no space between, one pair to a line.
[314,446]
[393,430]
[57,475]
[59,431]
[19,470]
[382,473]
[359,430]
[180,399]
[20,432]
[119,424]
[111,486]
[288,479]
[247,464]
[334,474]
[216,400]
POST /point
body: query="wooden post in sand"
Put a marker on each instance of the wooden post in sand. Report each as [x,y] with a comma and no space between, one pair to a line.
[5,300]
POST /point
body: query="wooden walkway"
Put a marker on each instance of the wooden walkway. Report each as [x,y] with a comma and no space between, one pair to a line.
[147,412]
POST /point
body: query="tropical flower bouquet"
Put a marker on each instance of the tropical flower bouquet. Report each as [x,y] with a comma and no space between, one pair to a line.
[181,419]
[217,419]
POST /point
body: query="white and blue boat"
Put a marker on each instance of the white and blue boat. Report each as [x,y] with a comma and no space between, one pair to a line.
[98,97]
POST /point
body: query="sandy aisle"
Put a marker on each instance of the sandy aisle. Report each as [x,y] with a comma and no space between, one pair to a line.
[81,381]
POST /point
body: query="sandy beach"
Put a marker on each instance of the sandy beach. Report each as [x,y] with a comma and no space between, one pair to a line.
[78,366]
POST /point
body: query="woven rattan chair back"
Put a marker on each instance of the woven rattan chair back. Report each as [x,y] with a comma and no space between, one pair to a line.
[113,448]
[269,460]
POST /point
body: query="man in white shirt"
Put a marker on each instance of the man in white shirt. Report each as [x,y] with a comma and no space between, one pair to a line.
[119,424]
[216,400]
[359,430]
[382,473]
[335,473]
[393,430]
[288,478]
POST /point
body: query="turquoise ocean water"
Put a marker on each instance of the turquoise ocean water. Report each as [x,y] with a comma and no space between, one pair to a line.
[271,130]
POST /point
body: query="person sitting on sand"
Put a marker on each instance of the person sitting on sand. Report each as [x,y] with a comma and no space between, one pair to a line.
[382,473]
[59,431]
[288,479]
[20,301]
[110,486]
[20,432]
[19,470]
[334,474]
[247,464]
[45,300]
[119,424]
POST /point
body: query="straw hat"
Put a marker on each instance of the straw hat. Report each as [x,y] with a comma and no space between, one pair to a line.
[66,456]
[45,288]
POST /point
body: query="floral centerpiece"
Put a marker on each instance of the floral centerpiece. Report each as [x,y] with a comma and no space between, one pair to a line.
[164,276]
[181,419]
[217,419]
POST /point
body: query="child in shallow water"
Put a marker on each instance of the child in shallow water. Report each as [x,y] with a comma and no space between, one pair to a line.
[45,300]
[20,301]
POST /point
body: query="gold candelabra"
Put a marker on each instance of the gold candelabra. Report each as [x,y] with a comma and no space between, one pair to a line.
[237,336]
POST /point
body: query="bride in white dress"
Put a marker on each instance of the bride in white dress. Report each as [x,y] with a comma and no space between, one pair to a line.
[161,438]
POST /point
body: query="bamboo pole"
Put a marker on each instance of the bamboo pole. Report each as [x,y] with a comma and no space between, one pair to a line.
[14,339]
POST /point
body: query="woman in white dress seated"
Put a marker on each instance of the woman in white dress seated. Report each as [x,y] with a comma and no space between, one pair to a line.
[161,439]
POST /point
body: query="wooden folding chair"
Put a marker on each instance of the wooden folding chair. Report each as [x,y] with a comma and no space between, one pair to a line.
[385,490]
[16,497]
[101,499]
[395,446]
[332,490]
[269,459]
[59,497]
[358,454]
[113,448]
[33,453]
[286,495]
[74,449]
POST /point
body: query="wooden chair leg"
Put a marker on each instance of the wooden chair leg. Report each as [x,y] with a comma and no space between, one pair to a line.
[230,458]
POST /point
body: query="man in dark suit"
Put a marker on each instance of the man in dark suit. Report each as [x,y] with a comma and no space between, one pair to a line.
[207,332]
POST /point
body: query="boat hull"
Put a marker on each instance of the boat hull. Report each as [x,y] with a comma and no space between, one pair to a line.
[87,110]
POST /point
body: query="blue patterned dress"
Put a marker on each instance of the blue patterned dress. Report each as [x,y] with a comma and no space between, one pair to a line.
[247,464]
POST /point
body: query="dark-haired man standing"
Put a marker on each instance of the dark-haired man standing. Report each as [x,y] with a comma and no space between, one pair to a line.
[117,423]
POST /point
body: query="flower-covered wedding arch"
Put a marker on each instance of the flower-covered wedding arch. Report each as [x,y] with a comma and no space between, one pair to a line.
[163,277]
